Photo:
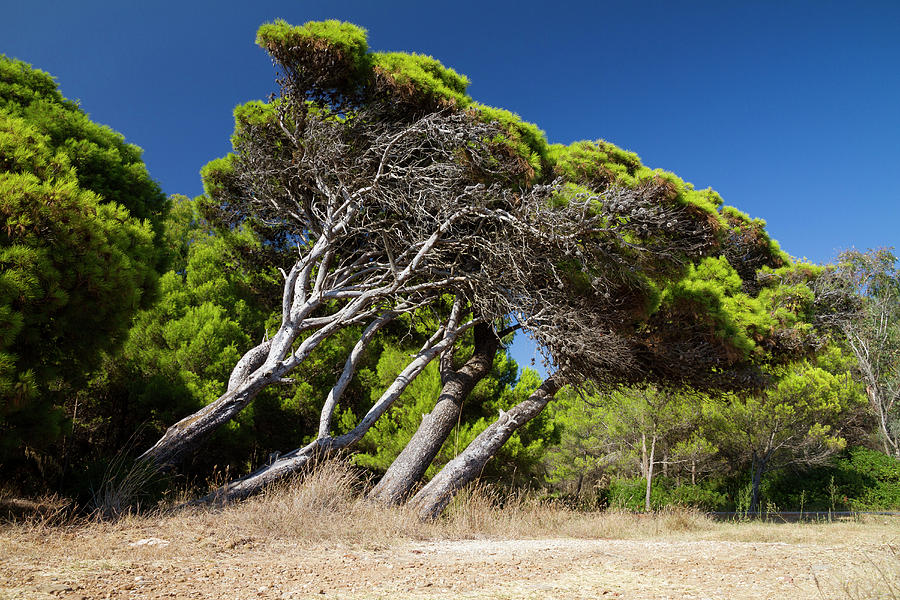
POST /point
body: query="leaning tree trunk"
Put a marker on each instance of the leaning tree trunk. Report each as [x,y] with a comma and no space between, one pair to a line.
[184,437]
[326,444]
[409,467]
[437,493]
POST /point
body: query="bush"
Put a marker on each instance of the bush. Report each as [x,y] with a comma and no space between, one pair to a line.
[702,496]
[629,494]
[856,479]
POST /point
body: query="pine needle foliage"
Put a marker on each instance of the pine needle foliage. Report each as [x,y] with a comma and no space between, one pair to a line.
[78,218]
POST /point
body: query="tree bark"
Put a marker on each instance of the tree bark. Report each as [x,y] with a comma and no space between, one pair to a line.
[578,486]
[759,466]
[248,363]
[644,455]
[649,474]
[437,493]
[409,467]
[184,437]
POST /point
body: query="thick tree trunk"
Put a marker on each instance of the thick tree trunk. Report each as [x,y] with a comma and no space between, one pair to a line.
[578,486]
[409,467]
[437,493]
[184,437]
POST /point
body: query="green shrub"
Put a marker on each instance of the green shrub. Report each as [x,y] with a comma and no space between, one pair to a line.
[702,496]
[864,479]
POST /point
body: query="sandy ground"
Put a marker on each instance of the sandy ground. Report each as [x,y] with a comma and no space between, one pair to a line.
[133,564]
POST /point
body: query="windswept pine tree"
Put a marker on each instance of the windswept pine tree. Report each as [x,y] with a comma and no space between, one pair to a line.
[400,193]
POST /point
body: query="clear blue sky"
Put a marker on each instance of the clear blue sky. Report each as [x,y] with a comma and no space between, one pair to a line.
[789,109]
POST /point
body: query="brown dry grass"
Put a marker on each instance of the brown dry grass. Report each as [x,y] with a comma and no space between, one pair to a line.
[324,519]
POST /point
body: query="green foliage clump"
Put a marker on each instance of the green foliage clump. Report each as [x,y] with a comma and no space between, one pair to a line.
[425,75]
[757,249]
[329,57]
[103,162]
[253,113]
[216,174]
[20,84]
[521,137]
[600,164]
[709,295]
[180,352]
[856,479]
[596,164]
[349,39]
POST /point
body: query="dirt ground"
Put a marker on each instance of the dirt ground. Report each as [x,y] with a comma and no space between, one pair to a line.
[726,561]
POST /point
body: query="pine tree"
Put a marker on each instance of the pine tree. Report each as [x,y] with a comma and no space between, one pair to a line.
[78,219]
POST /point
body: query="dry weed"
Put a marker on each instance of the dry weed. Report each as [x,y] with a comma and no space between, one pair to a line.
[878,578]
[329,505]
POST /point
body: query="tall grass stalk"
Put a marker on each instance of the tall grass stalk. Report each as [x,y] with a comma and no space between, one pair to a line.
[124,484]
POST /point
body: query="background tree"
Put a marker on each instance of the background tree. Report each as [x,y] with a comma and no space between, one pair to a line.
[873,334]
[586,450]
[179,351]
[797,420]
[78,218]
[646,422]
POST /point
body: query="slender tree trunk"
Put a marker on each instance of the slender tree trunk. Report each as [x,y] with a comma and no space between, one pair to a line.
[759,466]
[643,455]
[890,444]
[693,471]
[409,467]
[437,493]
[649,474]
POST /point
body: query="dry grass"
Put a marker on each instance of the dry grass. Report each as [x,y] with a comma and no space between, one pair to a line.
[326,514]
[878,578]
[329,505]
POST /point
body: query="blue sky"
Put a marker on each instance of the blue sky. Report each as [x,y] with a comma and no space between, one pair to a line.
[789,109]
